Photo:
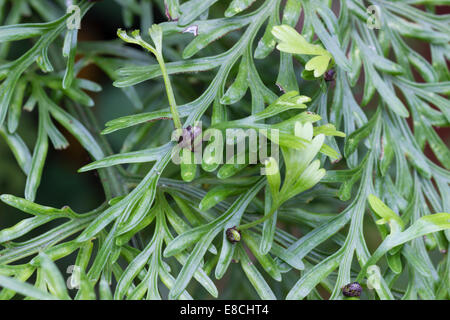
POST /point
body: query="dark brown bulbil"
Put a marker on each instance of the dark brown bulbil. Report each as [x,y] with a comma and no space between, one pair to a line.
[188,137]
[353,289]
[329,75]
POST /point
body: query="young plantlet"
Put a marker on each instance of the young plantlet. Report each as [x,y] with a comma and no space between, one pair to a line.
[302,173]
[290,41]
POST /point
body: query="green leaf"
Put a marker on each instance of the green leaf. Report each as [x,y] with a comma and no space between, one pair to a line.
[185,240]
[188,167]
[156,34]
[53,277]
[209,232]
[38,161]
[25,289]
[273,177]
[57,252]
[22,227]
[386,92]
[69,51]
[313,277]
[205,36]
[267,43]
[192,9]
[146,155]
[358,135]
[239,87]
[319,64]
[18,148]
[16,107]
[172,9]
[425,225]
[133,270]
[237,6]
[289,40]
[265,260]
[385,212]
[26,30]
[256,279]
[218,194]
[226,255]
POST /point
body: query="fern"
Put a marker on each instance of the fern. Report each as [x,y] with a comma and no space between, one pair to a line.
[343,159]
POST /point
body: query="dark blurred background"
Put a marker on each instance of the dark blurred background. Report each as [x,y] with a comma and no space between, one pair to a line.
[61,184]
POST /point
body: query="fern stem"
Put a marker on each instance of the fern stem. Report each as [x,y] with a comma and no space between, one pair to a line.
[167,84]
[261,220]
[169,90]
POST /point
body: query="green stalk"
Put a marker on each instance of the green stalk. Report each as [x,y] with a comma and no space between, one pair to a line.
[261,220]
[167,83]
[169,90]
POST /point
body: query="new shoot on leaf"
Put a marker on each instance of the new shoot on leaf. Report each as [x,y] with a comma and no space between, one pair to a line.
[387,215]
[290,41]
[302,173]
